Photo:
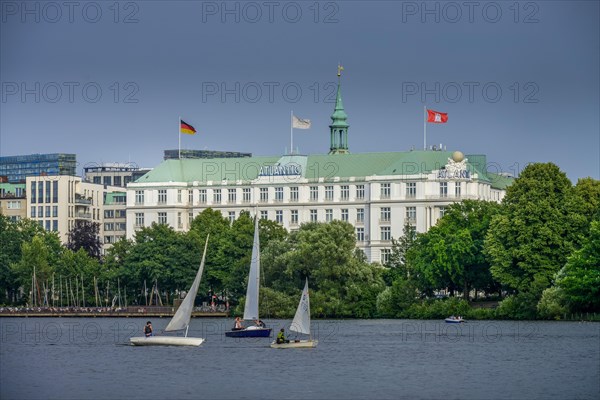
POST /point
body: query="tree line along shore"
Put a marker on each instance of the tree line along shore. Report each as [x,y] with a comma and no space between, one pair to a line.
[535,255]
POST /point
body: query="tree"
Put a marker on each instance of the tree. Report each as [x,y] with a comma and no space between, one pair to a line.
[85,235]
[161,255]
[397,261]
[583,206]
[580,277]
[36,265]
[530,239]
[342,283]
[473,217]
[12,236]
[450,255]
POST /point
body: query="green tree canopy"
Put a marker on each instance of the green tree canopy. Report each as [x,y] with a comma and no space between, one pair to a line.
[580,277]
[450,254]
[530,239]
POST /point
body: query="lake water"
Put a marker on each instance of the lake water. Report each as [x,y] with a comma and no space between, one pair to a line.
[89,358]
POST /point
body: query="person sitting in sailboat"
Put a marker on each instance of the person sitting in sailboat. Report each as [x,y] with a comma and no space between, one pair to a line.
[260,324]
[238,324]
[281,337]
[148,329]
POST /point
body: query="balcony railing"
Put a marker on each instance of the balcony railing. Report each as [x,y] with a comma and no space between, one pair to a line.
[83,215]
[450,196]
[82,200]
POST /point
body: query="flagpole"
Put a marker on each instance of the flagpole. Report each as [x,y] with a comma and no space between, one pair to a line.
[291,132]
[179,136]
[425,128]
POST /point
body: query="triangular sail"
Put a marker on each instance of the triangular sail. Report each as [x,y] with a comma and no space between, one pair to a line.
[301,322]
[251,305]
[181,319]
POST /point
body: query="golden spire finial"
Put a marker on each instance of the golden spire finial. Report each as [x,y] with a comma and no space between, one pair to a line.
[340,69]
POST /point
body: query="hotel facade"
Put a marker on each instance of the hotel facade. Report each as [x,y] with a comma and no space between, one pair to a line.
[378,193]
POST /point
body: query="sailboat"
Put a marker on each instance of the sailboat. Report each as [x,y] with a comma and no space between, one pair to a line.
[181,319]
[300,324]
[251,305]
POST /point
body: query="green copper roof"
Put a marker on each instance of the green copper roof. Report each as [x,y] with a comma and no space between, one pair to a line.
[339,116]
[500,181]
[313,167]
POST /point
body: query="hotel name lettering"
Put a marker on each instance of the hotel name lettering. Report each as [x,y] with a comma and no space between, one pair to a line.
[459,174]
[280,170]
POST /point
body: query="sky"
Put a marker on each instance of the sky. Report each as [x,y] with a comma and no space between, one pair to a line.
[108,81]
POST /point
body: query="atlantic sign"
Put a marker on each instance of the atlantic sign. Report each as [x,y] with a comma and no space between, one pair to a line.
[280,170]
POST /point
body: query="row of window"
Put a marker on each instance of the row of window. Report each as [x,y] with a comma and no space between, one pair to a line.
[112,239]
[51,211]
[217,194]
[49,225]
[385,216]
[19,192]
[13,205]
[110,214]
[39,195]
[115,226]
[112,180]
[385,234]
[444,189]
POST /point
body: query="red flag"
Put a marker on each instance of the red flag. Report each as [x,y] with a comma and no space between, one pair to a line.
[437,117]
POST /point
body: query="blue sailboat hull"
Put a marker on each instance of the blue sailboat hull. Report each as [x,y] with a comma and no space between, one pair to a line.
[259,332]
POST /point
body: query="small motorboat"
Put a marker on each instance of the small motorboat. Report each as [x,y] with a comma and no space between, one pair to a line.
[454,320]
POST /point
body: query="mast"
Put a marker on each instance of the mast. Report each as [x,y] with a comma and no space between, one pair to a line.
[119,291]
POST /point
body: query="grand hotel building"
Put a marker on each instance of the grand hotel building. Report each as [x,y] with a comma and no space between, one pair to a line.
[378,193]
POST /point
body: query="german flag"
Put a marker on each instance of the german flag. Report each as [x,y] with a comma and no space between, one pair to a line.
[186,128]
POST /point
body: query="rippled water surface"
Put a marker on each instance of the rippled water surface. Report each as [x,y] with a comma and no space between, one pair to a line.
[89,358]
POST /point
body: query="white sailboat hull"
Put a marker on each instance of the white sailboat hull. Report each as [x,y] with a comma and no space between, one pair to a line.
[295,344]
[165,341]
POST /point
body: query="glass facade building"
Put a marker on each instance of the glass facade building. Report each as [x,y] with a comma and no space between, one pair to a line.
[174,154]
[17,168]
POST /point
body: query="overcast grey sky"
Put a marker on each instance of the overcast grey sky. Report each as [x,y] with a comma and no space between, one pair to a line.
[108,81]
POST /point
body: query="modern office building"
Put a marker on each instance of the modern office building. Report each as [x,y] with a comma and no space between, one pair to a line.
[114,221]
[18,168]
[57,202]
[13,200]
[113,174]
[378,193]
[183,153]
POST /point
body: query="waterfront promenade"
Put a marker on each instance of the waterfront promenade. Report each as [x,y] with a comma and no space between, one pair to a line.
[100,312]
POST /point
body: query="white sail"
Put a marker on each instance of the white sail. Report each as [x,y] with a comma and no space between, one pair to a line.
[251,305]
[181,319]
[301,322]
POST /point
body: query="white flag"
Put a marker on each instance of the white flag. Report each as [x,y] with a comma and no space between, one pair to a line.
[300,123]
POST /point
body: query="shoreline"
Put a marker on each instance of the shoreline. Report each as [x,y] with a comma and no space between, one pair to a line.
[118,314]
